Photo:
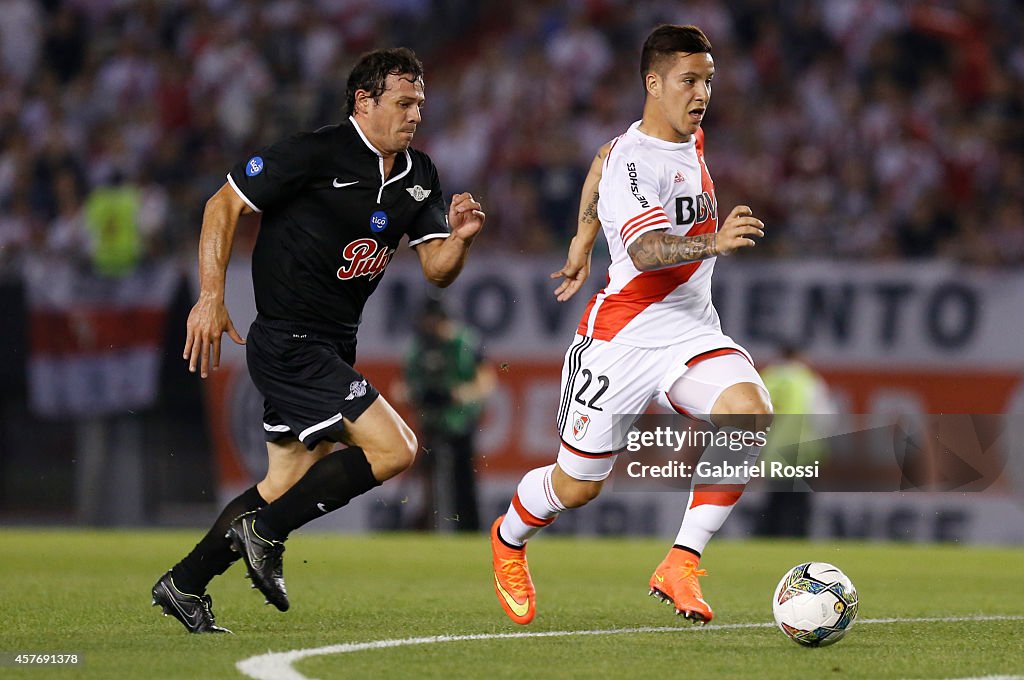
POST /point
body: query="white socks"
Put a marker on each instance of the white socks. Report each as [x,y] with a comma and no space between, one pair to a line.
[533,507]
[712,501]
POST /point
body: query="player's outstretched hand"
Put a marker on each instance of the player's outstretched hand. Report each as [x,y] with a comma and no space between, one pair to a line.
[465,216]
[207,321]
[575,272]
[738,229]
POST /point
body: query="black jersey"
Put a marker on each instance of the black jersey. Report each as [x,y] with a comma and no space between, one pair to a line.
[331,222]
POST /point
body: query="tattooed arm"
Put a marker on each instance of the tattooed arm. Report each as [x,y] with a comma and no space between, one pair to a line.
[657,249]
[577,263]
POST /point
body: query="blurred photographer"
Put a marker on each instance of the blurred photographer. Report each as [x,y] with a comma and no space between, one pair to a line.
[447,382]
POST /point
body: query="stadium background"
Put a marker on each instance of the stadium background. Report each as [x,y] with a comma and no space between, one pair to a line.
[880,141]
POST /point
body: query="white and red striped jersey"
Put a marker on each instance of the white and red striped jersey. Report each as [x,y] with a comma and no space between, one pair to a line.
[648,184]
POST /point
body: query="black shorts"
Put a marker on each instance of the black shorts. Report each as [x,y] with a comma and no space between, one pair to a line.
[307,382]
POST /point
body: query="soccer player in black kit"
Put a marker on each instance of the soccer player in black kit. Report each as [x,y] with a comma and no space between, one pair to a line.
[335,203]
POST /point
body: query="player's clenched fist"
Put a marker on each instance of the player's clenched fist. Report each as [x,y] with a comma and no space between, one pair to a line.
[737,232]
[465,216]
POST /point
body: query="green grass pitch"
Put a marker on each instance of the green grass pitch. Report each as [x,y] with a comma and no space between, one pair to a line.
[88,592]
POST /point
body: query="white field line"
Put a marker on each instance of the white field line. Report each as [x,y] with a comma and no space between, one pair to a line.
[278,665]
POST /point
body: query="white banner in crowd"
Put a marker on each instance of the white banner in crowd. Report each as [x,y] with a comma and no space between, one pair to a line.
[95,342]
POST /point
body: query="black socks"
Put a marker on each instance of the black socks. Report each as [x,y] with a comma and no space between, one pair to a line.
[213,555]
[329,484]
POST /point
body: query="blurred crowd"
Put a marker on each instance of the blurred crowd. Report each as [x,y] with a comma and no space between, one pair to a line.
[872,129]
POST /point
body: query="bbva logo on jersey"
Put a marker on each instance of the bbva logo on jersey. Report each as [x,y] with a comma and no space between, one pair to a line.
[365,258]
[687,213]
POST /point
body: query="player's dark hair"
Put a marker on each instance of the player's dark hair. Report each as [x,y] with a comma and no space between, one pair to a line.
[668,39]
[373,69]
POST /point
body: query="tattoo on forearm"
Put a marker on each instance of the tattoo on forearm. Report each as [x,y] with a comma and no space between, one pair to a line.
[590,212]
[657,249]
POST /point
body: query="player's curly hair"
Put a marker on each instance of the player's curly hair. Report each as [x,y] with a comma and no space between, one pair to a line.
[373,69]
[668,39]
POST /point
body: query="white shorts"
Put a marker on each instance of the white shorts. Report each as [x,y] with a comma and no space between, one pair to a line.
[603,381]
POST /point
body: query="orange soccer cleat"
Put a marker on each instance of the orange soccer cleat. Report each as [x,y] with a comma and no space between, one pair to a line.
[675,582]
[512,582]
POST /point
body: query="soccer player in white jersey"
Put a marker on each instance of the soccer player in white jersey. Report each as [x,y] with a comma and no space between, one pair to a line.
[652,333]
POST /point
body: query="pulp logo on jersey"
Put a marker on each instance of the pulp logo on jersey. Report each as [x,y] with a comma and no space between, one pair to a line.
[356,389]
[254,166]
[365,258]
[418,192]
[579,424]
[378,221]
[634,187]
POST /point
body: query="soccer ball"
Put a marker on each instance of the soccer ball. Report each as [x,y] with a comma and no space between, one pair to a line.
[815,604]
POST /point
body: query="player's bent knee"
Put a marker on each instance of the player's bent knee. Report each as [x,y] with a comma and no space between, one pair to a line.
[405,448]
[387,441]
[580,493]
[395,456]
[575,493]
[406,452]
[745,406]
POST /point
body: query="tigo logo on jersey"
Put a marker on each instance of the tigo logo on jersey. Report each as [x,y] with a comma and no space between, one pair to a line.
[254,166]
[378,221]
[580,421]
[364,259]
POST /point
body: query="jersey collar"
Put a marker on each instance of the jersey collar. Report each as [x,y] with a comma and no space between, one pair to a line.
[380,160]
[634,130]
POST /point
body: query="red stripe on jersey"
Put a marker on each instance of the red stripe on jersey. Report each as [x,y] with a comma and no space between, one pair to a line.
[610,148]
[646,288]
[716,494]
[641,217]
[707,186]
[712,353]
[582,327]
[657,218]
[528,518]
